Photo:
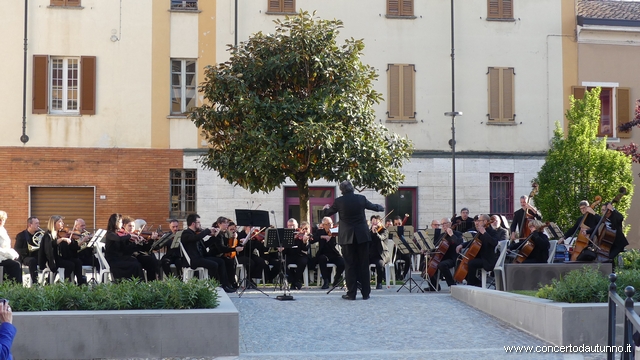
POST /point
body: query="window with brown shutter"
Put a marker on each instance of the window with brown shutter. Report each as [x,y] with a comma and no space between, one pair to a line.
[281,6]
[501,94]
[40,95]
[610,120]
[623,110]
[65,3]
[88,85]
[400,8]
[401,92]
[500,9]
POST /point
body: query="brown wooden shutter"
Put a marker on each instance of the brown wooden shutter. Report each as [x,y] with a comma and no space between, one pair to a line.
[507,9]
[578,92]
[508,97]
[393,7]
[493,9]
[394,91]
[494,93]
[289,6]
[70,202]
[407,8]
[73,2]
[88,85]
[623,110]
[40,96]
[275,6]
[57,2]
[408,92]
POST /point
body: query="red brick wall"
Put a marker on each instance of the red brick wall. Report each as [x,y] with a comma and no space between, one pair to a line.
[135,181]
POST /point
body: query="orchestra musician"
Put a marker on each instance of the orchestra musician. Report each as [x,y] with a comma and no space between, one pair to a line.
[448,261]
[60,251]
[172,254]
[519,216]
[503,234]
[298,254]
[118,249]
[463,223]
[141,247]
[193,241]
[486,258]
[614,222]
[437,231]
[590,221]
[407,258]
[8,256]
[540,252]
[85,254]
[328,253]
[27,247]
[251,243]
[218,246]
[378,251]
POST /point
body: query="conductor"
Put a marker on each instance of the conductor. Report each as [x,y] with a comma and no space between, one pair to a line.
[354,237]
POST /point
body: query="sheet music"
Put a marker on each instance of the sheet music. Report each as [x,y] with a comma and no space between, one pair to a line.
[403,240]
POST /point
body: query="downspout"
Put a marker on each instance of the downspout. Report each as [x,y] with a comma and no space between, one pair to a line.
[24,138]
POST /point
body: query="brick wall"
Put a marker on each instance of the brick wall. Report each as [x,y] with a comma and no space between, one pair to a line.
[134,181]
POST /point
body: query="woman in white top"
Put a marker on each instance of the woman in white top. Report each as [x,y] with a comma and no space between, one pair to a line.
[8,256]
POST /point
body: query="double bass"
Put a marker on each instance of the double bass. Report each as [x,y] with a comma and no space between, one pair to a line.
[602,236]
[525,232]
[582,241]
[472,252]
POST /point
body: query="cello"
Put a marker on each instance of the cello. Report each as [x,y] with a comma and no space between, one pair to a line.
[432,266]
[602,236]
[527,247]
[472,252]
[582,241]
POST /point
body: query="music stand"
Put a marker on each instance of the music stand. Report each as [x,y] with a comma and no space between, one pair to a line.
[281,238]
[401,234]
[252,218]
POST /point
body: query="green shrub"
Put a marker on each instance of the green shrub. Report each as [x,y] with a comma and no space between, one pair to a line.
[124,295]
[631,259]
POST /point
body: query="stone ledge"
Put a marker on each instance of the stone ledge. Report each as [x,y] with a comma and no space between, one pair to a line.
[557,323]
[128,333]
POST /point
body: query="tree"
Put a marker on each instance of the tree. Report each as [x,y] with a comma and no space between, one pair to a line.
[580,166]
[296,105]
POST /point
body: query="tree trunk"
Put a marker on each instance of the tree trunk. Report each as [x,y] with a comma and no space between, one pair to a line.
[303,192]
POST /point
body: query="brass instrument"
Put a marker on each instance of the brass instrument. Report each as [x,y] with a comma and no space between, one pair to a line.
[86,243]
[37,238]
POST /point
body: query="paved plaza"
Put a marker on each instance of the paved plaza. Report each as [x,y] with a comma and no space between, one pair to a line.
[390,325]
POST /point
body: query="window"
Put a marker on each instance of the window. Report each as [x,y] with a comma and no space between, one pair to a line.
[183,86]
[64,85]
[500,9]
[404,201]
[318,197]
[400,8]
[183,193]
[501,94]
[401,101]
[615,108]
[501,194]
[281,6]
[65,3]
[46,201]
[184,4]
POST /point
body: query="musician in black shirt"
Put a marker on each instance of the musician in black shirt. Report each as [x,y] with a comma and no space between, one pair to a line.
[378,251]
[591,219]
[172,254]
[486,258]
[328,252]
[540,252]
[27,248]
[526,211]
[448,261]
[463,223]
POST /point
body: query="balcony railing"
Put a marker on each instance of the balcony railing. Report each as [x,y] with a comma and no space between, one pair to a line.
[184,4]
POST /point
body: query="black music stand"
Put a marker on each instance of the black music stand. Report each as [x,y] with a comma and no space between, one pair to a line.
[403,239]
[281,238]
[252,218]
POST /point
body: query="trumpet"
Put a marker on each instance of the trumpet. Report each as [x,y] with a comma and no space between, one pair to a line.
[37,238]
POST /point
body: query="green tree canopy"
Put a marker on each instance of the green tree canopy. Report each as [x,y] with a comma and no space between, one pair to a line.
[580,167]
[296,105]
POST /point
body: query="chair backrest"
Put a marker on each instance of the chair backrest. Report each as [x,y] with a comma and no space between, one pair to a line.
[502,247]
[99,253]
[392,249]
[184,254]
[552,250]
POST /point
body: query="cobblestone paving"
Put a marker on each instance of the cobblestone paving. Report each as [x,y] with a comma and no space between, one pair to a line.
[390,325]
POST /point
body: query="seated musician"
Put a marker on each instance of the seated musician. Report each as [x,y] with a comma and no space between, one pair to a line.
[448,260]
[525,212]
[251,243]
[217,248]
[230,241]
[59,251]
[614,222]
[118,249]
[194,245]
[585,223]
[27,245]
[486,258]
[402,273]
[172,254]
[141,248]
[378,251]
[463,223]
[9,256]
[85,254]
[298,254]
[503,234]
[540,252]
[437,232]
[328,253]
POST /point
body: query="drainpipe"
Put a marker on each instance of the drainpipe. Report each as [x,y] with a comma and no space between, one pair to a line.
[24,138]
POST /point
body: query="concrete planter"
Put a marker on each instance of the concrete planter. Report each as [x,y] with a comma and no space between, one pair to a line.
[128,333]
[557,323]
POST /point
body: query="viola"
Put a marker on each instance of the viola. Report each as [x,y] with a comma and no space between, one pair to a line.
[232,243]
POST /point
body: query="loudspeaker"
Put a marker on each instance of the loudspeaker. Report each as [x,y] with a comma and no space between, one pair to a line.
[532,276]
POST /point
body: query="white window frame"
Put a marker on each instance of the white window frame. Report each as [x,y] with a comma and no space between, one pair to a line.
[183,86]
[614,104]
[65,85]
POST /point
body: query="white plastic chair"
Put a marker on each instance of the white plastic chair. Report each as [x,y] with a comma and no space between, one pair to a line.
[552,251]
[502,247]
[188,272]
[389,270]
[305,273]
[49,275]
[105,274]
